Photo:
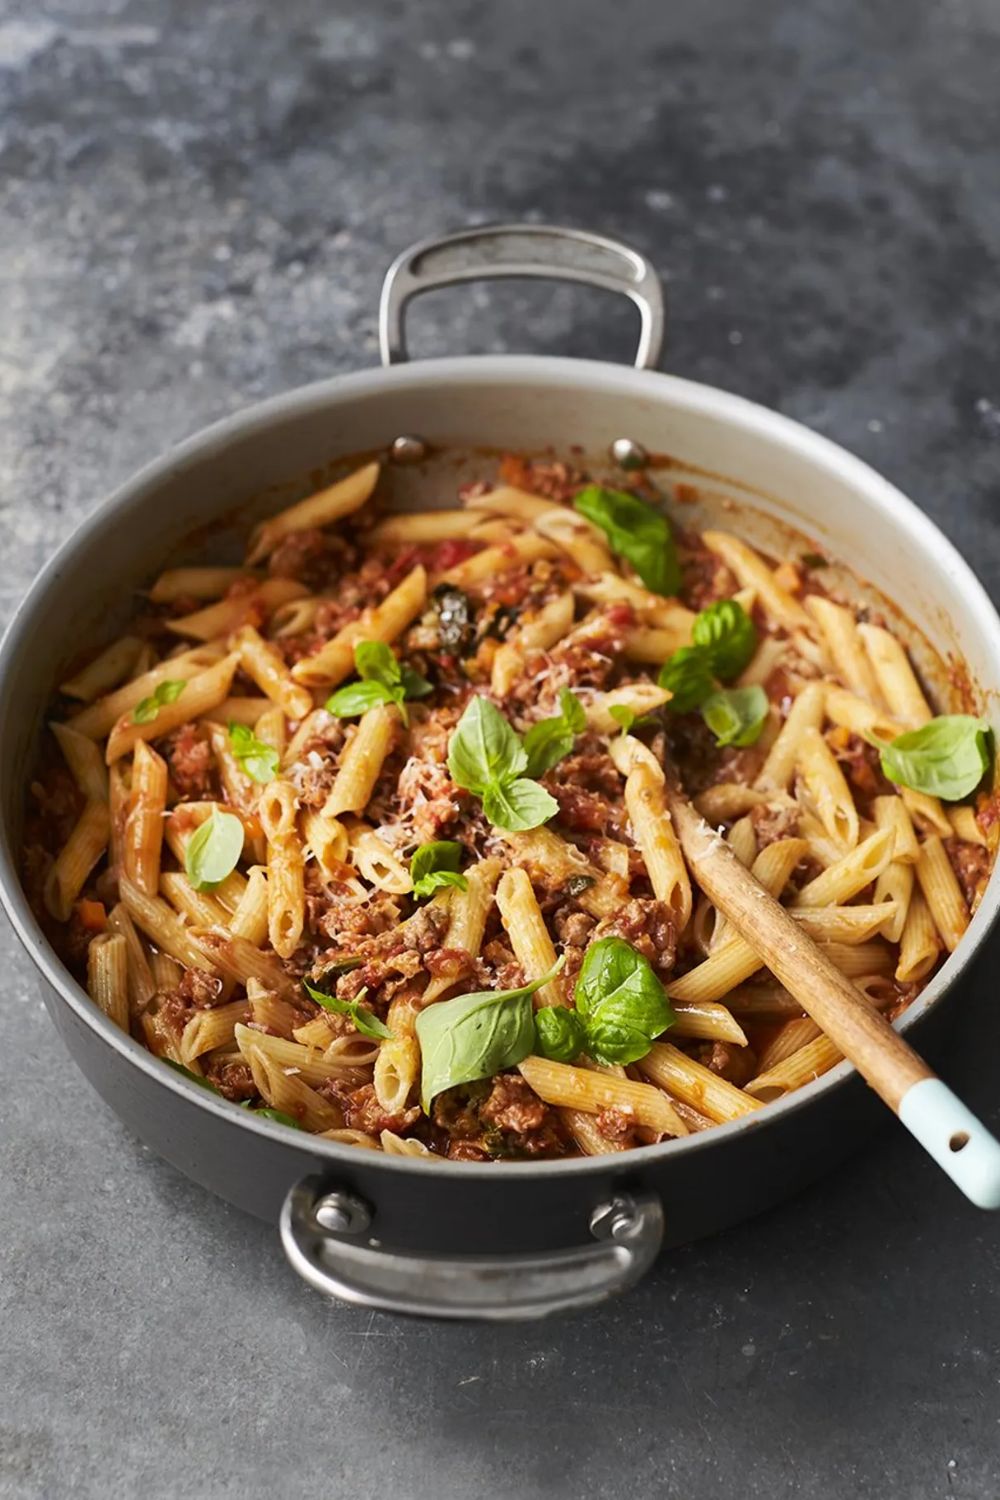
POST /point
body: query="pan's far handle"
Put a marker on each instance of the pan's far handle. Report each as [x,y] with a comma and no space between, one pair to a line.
[324,1232]
[490,251]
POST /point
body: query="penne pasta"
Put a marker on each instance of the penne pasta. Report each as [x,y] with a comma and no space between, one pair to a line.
[417,528]
[529,936]
[110,667]
[695,1085]
[896,678]
[840,634]
[942,892]
[593,1092]
[143,839]
[335,661]
[826,790]
[201,693]
[225,617]
[197,583]
[328,505]
[362,760]
[650,819]
[753,572]
[107,977]
[265,665]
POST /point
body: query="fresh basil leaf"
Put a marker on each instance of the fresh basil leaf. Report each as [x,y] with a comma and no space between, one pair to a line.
[636,532]
[364,1020]
[547,743]
[436,864]
[573,712]
[615,1042]
[946,757]
[357,698]
[204,1083]
[560,1033]
[736,716]
[622,1002]
[165,692]
[374,661]
[383,680]
[623,715]
[435,879]
[550,740]
[277,1115]
[213,850]
[518,805]
[475,1036]
[688,677]
[484,749]
[726,633]
[259,760]
[413,685]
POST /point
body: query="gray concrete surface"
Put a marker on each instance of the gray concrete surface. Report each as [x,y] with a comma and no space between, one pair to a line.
[197,202]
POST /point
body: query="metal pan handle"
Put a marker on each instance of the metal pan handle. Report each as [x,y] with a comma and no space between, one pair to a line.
[544,250]
[322,1229]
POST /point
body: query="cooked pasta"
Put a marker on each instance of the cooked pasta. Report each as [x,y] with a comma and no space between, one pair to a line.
[370,832]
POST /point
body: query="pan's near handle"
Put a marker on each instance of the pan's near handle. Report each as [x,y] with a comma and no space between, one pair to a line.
[545,250]
[324,1231]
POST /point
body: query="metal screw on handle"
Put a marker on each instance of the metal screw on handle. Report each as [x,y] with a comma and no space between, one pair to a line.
[324,1234]
[524,250]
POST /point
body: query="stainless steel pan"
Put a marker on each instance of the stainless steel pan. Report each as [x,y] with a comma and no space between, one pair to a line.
[448,1238]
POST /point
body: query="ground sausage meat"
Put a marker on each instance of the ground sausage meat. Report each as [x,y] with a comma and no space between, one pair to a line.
[191,762]
[971,863]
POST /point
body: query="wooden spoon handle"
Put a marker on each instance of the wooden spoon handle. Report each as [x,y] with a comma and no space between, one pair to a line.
[945,1128]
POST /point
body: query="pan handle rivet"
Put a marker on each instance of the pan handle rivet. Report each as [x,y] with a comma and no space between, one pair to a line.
[342,1213]
[628,454]
[407,449]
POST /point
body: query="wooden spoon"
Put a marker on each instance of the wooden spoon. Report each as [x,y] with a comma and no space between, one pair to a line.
[947,1130]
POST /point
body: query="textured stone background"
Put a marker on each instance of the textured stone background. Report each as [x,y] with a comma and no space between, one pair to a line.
[198,200]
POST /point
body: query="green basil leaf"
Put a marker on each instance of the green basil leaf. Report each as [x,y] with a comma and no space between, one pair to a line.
[374,661]
[259,760]
[357,698]
[213,850]
[736,716]
[278,1115]
[636,532]
[726,633]
[560,1033]
[203,1083]
[550,740]
[623,715]
[364,1019]
[165,692]
[475,1036]
[484,748]
[946,757]
[435,879]
[436,864]
[413,685]
[573,711]
[622,1002]
[546,744]
[611,1042]
[518,805]
[688,676]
